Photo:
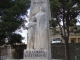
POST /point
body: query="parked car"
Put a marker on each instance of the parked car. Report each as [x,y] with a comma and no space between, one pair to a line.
[56,40]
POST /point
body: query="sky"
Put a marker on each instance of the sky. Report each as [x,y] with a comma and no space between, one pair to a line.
[23,32]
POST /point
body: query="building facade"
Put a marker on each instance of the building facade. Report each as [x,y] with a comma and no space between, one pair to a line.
[73,38]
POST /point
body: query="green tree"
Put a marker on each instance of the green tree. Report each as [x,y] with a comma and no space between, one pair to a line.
[10,19]
[65,11]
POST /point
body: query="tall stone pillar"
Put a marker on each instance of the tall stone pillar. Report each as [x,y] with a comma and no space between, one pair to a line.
[34,9]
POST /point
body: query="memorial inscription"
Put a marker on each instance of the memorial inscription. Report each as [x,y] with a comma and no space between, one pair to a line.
[35,54]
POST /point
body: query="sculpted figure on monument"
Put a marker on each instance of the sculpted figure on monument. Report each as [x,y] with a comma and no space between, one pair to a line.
[31,25]
[41,36]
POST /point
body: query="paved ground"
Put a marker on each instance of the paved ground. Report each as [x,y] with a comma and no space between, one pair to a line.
[33,59]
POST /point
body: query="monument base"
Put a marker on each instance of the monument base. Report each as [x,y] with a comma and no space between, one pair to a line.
[35,54]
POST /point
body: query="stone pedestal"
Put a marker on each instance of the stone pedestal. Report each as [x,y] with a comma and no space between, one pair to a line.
[38,54]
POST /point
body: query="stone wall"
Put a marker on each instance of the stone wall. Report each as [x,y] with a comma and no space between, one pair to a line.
[58,51]
[17,51]
[5,52]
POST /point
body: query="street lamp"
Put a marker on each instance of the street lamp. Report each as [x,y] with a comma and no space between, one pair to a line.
[6,40]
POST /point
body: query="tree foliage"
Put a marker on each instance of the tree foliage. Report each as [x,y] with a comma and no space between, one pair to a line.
[10,18]
[65,11]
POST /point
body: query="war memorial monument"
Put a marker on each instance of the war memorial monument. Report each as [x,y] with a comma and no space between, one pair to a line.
[38,45]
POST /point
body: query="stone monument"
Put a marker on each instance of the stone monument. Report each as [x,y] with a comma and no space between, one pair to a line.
[32,26]
[38,46]
[42,33]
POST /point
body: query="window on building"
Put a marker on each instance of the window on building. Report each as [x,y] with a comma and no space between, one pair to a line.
[72,41]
